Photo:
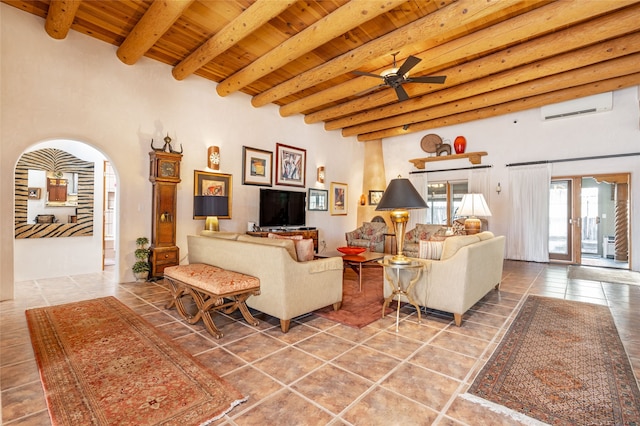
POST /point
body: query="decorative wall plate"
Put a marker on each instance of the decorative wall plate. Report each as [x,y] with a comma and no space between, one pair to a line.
[430,142]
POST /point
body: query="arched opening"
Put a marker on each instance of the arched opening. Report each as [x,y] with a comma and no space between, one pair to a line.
[59,213]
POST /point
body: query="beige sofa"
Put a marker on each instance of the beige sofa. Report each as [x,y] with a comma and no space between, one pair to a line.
[470,266]
[288,288]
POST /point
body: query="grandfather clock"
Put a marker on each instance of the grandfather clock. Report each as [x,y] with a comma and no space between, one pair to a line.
[164,174]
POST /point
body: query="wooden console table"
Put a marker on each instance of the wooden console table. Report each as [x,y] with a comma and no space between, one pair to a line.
[306,233]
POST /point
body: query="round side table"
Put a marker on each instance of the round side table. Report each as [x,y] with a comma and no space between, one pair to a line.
[401,287]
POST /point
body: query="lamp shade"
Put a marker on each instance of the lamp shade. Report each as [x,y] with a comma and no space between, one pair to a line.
[401,194]
[473,205]
[208,205]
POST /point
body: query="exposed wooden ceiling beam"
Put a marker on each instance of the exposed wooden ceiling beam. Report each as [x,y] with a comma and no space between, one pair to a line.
[483,75]
[511,107]
[527,86]
[342,20]
[156,21]
[256,15]
[60,17]
[517,29]
[448,20]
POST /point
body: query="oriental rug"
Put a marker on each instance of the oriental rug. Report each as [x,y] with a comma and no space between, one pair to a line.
[561,362]
[359,308]
[102,364]
[608,275]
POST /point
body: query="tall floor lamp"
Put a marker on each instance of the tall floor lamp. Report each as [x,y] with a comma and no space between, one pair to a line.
[399,197]
[473,205]
[210,206]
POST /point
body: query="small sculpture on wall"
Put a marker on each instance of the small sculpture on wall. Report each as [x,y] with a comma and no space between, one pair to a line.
[166,147]
[443,148]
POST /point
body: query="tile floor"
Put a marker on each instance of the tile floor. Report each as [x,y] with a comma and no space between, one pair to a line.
[322,372]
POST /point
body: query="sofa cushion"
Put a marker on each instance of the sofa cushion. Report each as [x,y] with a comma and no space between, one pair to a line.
[304,249]
[430,250]
[372,228]
[286,243]
[217,234]
[485,235]
[452,244]
[458,227]
[284,237]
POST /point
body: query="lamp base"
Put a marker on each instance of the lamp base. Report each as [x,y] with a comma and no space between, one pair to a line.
[211,223]
[400,259]
[472,225]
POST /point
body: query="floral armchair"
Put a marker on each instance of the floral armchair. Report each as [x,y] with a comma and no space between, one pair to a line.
[422,232]
[370,235]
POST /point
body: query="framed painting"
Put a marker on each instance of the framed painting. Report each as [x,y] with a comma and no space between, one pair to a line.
[33,193]
[375,197]
[256,166]
[318,199]
[338,202]
[291,165]
[213,184]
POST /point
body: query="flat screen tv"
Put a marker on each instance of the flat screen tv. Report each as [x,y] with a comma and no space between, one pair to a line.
[279,208]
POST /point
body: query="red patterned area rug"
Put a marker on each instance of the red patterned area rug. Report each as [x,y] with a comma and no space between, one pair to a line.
[561,362]
[359,308]
[102,364]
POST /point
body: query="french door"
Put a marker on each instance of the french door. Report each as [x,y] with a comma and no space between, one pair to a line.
[589,220]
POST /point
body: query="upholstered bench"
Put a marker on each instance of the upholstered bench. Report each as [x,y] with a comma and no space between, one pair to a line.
[209,286]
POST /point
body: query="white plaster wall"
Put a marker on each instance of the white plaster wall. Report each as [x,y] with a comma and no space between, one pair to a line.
[77,89]
[523,137]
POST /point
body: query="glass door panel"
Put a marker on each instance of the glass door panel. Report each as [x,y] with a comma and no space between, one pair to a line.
[560,238]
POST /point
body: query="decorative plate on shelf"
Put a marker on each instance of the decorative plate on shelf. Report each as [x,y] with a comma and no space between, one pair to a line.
[351,250]
[430,142]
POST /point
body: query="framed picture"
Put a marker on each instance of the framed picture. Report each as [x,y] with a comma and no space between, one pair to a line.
[256,166]
[34,193]
[216,184]
[375,197]
[338,203]
[291,165]
[318,199]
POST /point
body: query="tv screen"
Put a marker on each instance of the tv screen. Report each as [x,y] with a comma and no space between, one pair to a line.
[282,208]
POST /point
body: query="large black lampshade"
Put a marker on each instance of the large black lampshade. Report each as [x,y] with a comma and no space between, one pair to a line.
[399,197]
[211,207]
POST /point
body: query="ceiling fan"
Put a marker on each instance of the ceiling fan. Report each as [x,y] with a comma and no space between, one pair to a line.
[395,77]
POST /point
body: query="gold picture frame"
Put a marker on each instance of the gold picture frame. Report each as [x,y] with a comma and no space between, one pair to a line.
[34,193]
[338,204]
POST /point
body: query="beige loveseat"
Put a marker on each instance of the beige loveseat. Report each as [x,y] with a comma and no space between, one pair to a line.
[470,266]
[288,288]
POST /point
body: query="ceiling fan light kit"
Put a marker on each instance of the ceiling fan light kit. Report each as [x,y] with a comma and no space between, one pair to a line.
[395,77]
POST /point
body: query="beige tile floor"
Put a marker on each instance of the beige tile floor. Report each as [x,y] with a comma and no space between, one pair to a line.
[322,372]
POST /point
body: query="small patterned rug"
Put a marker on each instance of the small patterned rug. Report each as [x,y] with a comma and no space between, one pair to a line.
[561,362]
[102,364]
[359,308]
[620,276]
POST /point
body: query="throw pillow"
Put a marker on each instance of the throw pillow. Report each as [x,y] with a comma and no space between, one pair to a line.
[458,228]
[304,249]
[284,237]
[430,249]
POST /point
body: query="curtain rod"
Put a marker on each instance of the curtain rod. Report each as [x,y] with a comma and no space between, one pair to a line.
[449,170]
[598,157]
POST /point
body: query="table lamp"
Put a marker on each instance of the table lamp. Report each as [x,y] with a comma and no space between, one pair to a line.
[399,197]
[473,205]
[210,206]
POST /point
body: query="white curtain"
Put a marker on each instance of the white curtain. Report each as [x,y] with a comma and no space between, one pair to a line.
[479,183]
[420,182]
[528,230]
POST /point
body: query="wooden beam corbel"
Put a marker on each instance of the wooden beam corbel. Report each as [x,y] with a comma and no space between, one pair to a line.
[60,17]
[154,23]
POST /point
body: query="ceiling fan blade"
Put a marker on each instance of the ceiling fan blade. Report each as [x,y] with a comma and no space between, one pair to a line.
[367,74]
[435,79]
[409,63]
[401,93]
[371,89]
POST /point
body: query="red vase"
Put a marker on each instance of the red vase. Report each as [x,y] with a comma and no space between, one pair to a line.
[460,144]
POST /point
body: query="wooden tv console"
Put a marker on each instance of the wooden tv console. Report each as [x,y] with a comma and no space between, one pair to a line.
[306,233]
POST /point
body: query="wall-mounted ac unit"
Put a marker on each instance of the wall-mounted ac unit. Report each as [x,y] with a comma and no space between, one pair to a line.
[590,104]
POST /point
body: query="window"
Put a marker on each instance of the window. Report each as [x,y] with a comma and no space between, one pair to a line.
[443,200]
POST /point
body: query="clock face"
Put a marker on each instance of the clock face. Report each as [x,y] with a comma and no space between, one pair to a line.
[168,169]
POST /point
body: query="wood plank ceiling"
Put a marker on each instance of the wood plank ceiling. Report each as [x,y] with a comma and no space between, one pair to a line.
[499,56]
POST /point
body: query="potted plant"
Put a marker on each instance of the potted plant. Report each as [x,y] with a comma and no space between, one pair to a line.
[141,267]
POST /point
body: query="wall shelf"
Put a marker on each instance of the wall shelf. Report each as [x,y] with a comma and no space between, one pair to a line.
[474,158]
